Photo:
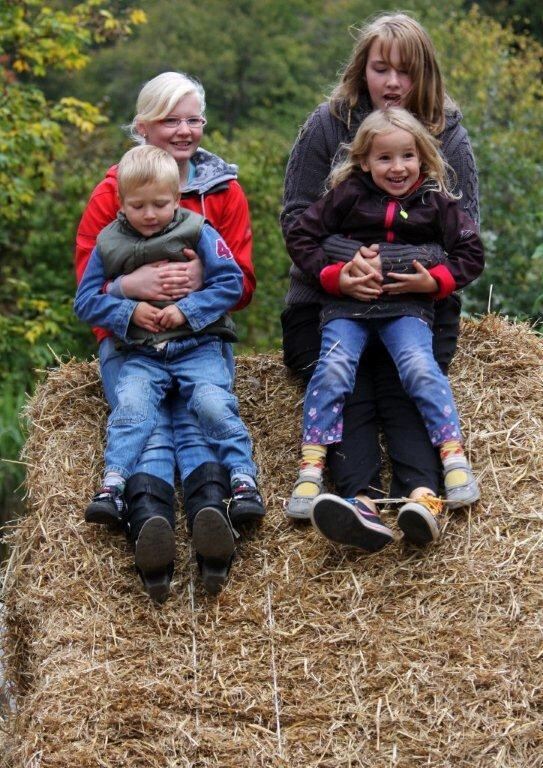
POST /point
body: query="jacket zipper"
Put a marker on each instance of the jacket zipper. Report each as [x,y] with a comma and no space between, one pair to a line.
[389,218]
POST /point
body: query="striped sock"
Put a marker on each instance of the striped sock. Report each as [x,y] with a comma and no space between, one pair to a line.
[311,468]
[450,451]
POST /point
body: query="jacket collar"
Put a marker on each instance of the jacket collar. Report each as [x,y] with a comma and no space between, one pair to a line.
[211,170]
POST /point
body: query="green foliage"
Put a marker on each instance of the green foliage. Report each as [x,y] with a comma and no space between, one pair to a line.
[495,75]
[36,286]
[523,15]
[261,156]
[262,63]
[35,38]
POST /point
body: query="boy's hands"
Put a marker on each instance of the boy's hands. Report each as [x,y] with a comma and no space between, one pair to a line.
[154,320]
[419,282]
[171,317]
[146,316]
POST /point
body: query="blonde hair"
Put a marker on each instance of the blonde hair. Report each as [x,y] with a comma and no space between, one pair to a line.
[384,121]
[147,165]
[427,97]
[160,95]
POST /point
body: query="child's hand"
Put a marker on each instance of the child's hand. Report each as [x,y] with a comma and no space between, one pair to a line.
[146,316]
[361,284]
[419,282]
[171,317]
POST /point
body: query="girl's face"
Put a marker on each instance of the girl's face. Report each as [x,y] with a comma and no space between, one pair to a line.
[393,161]
[179,132]
[388,82]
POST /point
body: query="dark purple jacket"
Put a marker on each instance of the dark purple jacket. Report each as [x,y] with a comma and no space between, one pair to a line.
[360,210]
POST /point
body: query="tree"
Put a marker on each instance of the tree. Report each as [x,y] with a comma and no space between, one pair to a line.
[495,75]
[36,39]
[523,15]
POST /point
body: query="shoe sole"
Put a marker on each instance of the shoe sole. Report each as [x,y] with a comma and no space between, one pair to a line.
[155,546]
[214,576]
[213,540]
[212,535]
[418,526]
[336,521]
[458,503]
[101,514]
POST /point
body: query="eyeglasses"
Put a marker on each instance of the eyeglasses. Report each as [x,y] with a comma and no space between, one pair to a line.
[193,123]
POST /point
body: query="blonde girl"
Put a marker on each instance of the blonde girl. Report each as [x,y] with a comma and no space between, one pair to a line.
[381,122]
[392,188]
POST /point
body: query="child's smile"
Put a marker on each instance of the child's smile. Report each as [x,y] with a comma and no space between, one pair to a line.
[393,162]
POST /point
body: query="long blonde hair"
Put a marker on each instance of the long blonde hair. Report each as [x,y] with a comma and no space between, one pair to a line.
[383,121]
[427,97]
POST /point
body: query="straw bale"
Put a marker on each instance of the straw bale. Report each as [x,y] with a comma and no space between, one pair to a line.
[313,655]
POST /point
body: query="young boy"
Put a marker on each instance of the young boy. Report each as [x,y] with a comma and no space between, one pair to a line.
[177,344]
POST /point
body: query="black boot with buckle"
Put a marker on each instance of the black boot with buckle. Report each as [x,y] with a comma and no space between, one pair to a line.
[206,492]
[150,528]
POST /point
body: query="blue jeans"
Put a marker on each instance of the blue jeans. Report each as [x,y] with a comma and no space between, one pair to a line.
[159,456]
[409,343]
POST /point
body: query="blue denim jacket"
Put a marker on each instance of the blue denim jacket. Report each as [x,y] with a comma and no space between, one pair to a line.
[223,284]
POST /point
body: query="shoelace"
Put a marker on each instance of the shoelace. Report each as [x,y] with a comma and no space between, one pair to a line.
[244,490]
[432,503]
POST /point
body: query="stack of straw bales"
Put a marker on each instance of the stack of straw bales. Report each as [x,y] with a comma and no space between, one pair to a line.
[312,656]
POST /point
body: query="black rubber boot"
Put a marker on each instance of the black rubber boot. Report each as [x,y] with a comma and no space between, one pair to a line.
[150,529]
[206,492]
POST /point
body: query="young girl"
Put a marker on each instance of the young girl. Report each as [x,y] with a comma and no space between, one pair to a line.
[392,188]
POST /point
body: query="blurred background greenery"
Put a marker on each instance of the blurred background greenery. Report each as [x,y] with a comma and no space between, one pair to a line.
[70,73]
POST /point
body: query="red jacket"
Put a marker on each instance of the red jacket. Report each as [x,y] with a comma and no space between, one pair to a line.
[220,199]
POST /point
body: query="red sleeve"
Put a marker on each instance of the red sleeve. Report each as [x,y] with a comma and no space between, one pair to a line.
[329,278]
[101,210]
[465,253]
[445,281]
[228,213]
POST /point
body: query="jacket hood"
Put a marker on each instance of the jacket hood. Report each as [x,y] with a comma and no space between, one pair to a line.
[211,171]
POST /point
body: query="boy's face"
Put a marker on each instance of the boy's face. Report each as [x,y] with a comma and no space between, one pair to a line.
[149,208]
